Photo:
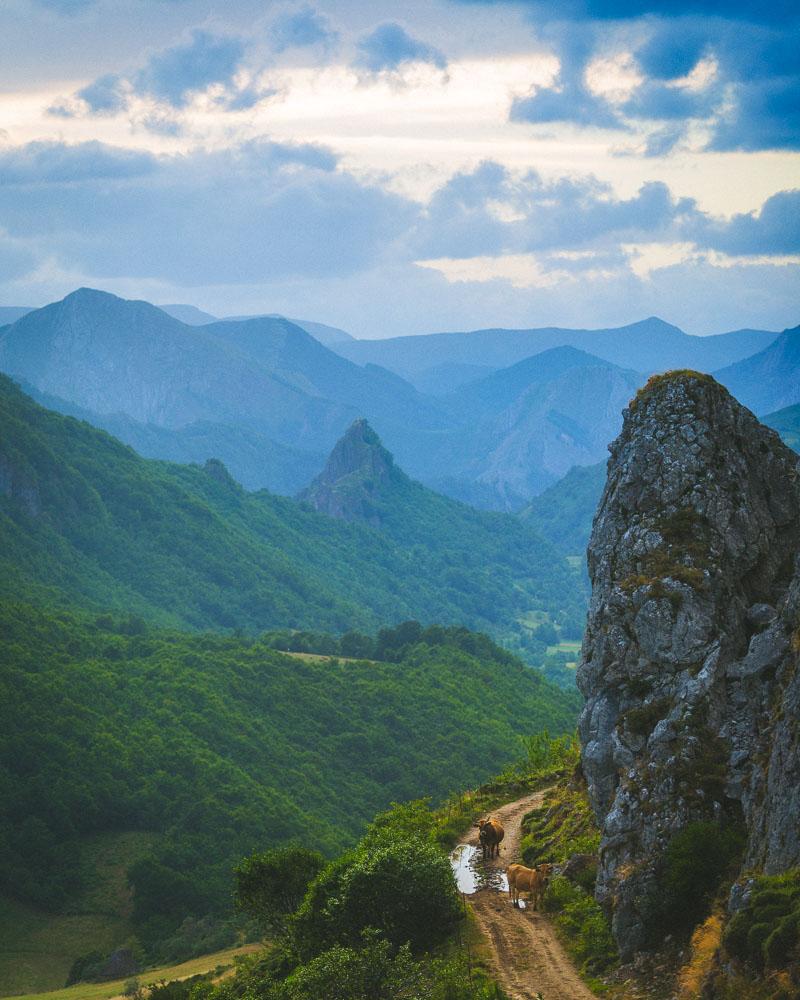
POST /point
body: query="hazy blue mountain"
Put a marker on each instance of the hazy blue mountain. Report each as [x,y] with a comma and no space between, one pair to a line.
[769,380]
[787,423]
[325,334]
[190,315]
[248,455]
[110,355]
[299,359]
[563,514]
[648,346]
[322,332]
[226,386]
[10,314]
[443,379]
[524,427]
[193,316]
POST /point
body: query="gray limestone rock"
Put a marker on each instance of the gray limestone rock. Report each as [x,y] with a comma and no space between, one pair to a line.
[689,663]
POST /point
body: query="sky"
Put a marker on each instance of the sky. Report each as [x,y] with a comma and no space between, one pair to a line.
[403,168]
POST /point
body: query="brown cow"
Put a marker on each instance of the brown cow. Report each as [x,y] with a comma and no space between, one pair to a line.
[490,834]
[531,880]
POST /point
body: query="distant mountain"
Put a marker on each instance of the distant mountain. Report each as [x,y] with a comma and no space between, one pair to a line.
[224,385]
[322,332]
[442,379]
[325,334]
[563,514]
[249,455]
[769,380]
[193,316]
[522,428]
[190,315]
[787,423]
[85,521]
[648,346]
[10,314]
[359,476]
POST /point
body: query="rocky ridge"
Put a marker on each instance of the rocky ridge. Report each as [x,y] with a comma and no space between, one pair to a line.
[355,476]
[689,663]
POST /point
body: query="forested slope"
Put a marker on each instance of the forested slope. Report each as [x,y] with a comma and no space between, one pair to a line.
[222,745]
[84,520]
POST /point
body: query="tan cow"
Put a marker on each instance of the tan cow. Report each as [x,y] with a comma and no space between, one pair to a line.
[531,880]
[490,835]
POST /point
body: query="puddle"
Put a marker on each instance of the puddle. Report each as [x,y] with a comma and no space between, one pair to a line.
[472,873]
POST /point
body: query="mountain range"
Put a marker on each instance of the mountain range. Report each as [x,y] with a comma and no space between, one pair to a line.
[86,522]
[490,417]
[650,345]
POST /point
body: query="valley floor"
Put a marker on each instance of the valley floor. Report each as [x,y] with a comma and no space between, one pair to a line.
[525,956]
[222,960]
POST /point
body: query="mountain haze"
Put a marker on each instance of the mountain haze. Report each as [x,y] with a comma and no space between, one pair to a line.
[769,380]
[647,346]
[85,521]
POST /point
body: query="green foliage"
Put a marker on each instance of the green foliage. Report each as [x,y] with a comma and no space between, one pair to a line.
[88,522]
[403,887]
[766,932]
[696,861]
[373,972]
[563,513]
[564,828]
[271,885]
[224,746]
[582,922]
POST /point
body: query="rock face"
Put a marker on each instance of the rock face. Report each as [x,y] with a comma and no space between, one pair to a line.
[356,475]
[689,663]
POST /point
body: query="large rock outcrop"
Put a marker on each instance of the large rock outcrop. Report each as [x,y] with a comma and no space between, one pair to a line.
[689,663]
[356,477]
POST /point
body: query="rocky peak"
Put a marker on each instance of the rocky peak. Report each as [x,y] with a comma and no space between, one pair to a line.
[688,668]
[356,476]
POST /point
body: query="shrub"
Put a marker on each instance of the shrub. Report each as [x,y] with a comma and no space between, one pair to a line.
[695,862]
[584,924]
[766,932]
[404,889]
[270,886]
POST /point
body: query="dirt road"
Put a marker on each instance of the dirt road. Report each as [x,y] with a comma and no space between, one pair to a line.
[526,957]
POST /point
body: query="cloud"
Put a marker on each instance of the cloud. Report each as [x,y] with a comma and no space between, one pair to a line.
[55,163]
[765,115]
[174,74]
[491,211]
[389,48]
[170,78]
[658,101]
[774,229]
[258,211]
[569,99]
[301,29]
[106,95]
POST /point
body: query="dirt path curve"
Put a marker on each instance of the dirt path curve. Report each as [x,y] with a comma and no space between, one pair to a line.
[526,956]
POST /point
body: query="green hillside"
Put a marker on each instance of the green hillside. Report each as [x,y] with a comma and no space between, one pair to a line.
[216,746]
[787,423]
[84,520]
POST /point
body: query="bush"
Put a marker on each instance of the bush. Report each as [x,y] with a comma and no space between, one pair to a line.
[270,886]
[584,924]
[695,862]
[403,888]
[766,932]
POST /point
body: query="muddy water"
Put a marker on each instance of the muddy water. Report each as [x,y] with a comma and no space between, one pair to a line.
[473,873]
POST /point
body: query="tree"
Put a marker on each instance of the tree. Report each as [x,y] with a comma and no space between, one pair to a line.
[270,886]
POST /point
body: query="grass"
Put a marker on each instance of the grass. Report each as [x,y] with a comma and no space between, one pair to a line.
[104,991]
[565,646]
[37,948]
